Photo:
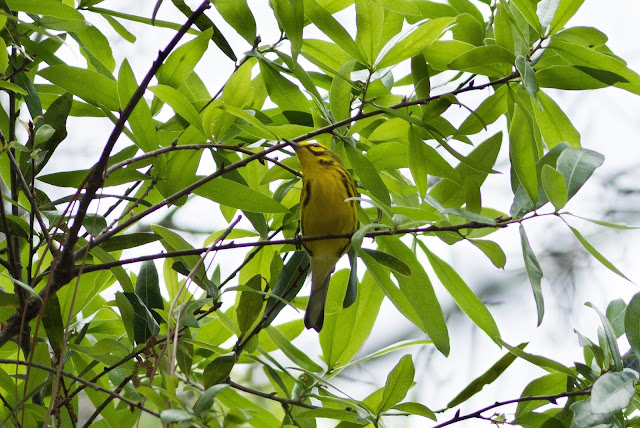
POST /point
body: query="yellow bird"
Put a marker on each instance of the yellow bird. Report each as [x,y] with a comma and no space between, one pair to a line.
[326,185]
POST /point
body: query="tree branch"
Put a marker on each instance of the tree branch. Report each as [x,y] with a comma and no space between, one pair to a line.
[298,239]
[478,413]
[173,148]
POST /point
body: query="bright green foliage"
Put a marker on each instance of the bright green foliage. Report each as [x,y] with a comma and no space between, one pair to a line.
[215,338]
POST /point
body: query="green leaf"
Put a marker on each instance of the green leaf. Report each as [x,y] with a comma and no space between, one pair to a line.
[209,118]
[144,324]
[616,314]
[610,336]
[92,87]
[528,10]
[554,124]
[288,282]
[290,16]
[205,401]
[46,7]
[415,409]
[117,271]
[554,186]
[534,272]
[607,69]
[485,379]
[340,93]
[367,175]
[171,241]
[584,417]
[293,353]
[183,60]
[416,41]
[420,76]
[332,28]
[545,11]
[389,261]
[463,295]
[369,16]
[522,204]
[179,104]
[564,11]
[233,194]
[577,165]
[544,363]
[284,93]
[237,14]
[95,46]
[419,291]
[450,193]
[551,384]
[148,288]
[584,36]
[632,324]
[175,416]
[328,413]
[250,304]
[53,324]
[131,240]
[491,250]
[527,74]
[140,119]
[418,162]
[12,87]
[218,370]
[522,152]
[487,112]
[120,29]
[127,314]
[347,329]
[595,253]
[75,178]
[613,392]
[396,297]
[398,383]
[488,60]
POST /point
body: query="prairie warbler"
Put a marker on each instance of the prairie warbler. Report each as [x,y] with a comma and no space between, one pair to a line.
[326,185]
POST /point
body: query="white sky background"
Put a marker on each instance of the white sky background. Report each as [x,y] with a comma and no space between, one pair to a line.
[609,122]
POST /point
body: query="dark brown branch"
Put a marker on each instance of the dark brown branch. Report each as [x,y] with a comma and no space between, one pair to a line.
[155,153]
[284,401]
[478,414]
[82,381]
[108,400]
[296,240]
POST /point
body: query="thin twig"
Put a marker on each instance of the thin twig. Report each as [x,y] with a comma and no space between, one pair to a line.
[34,204]
[91,385]
[285,401]
[478,413]
[108,400]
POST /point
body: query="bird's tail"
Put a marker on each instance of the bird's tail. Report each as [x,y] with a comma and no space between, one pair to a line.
[321,270]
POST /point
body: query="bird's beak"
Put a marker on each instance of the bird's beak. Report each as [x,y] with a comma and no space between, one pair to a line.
[293,144]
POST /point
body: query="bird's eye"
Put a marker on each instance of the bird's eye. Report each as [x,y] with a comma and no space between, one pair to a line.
[316,145]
